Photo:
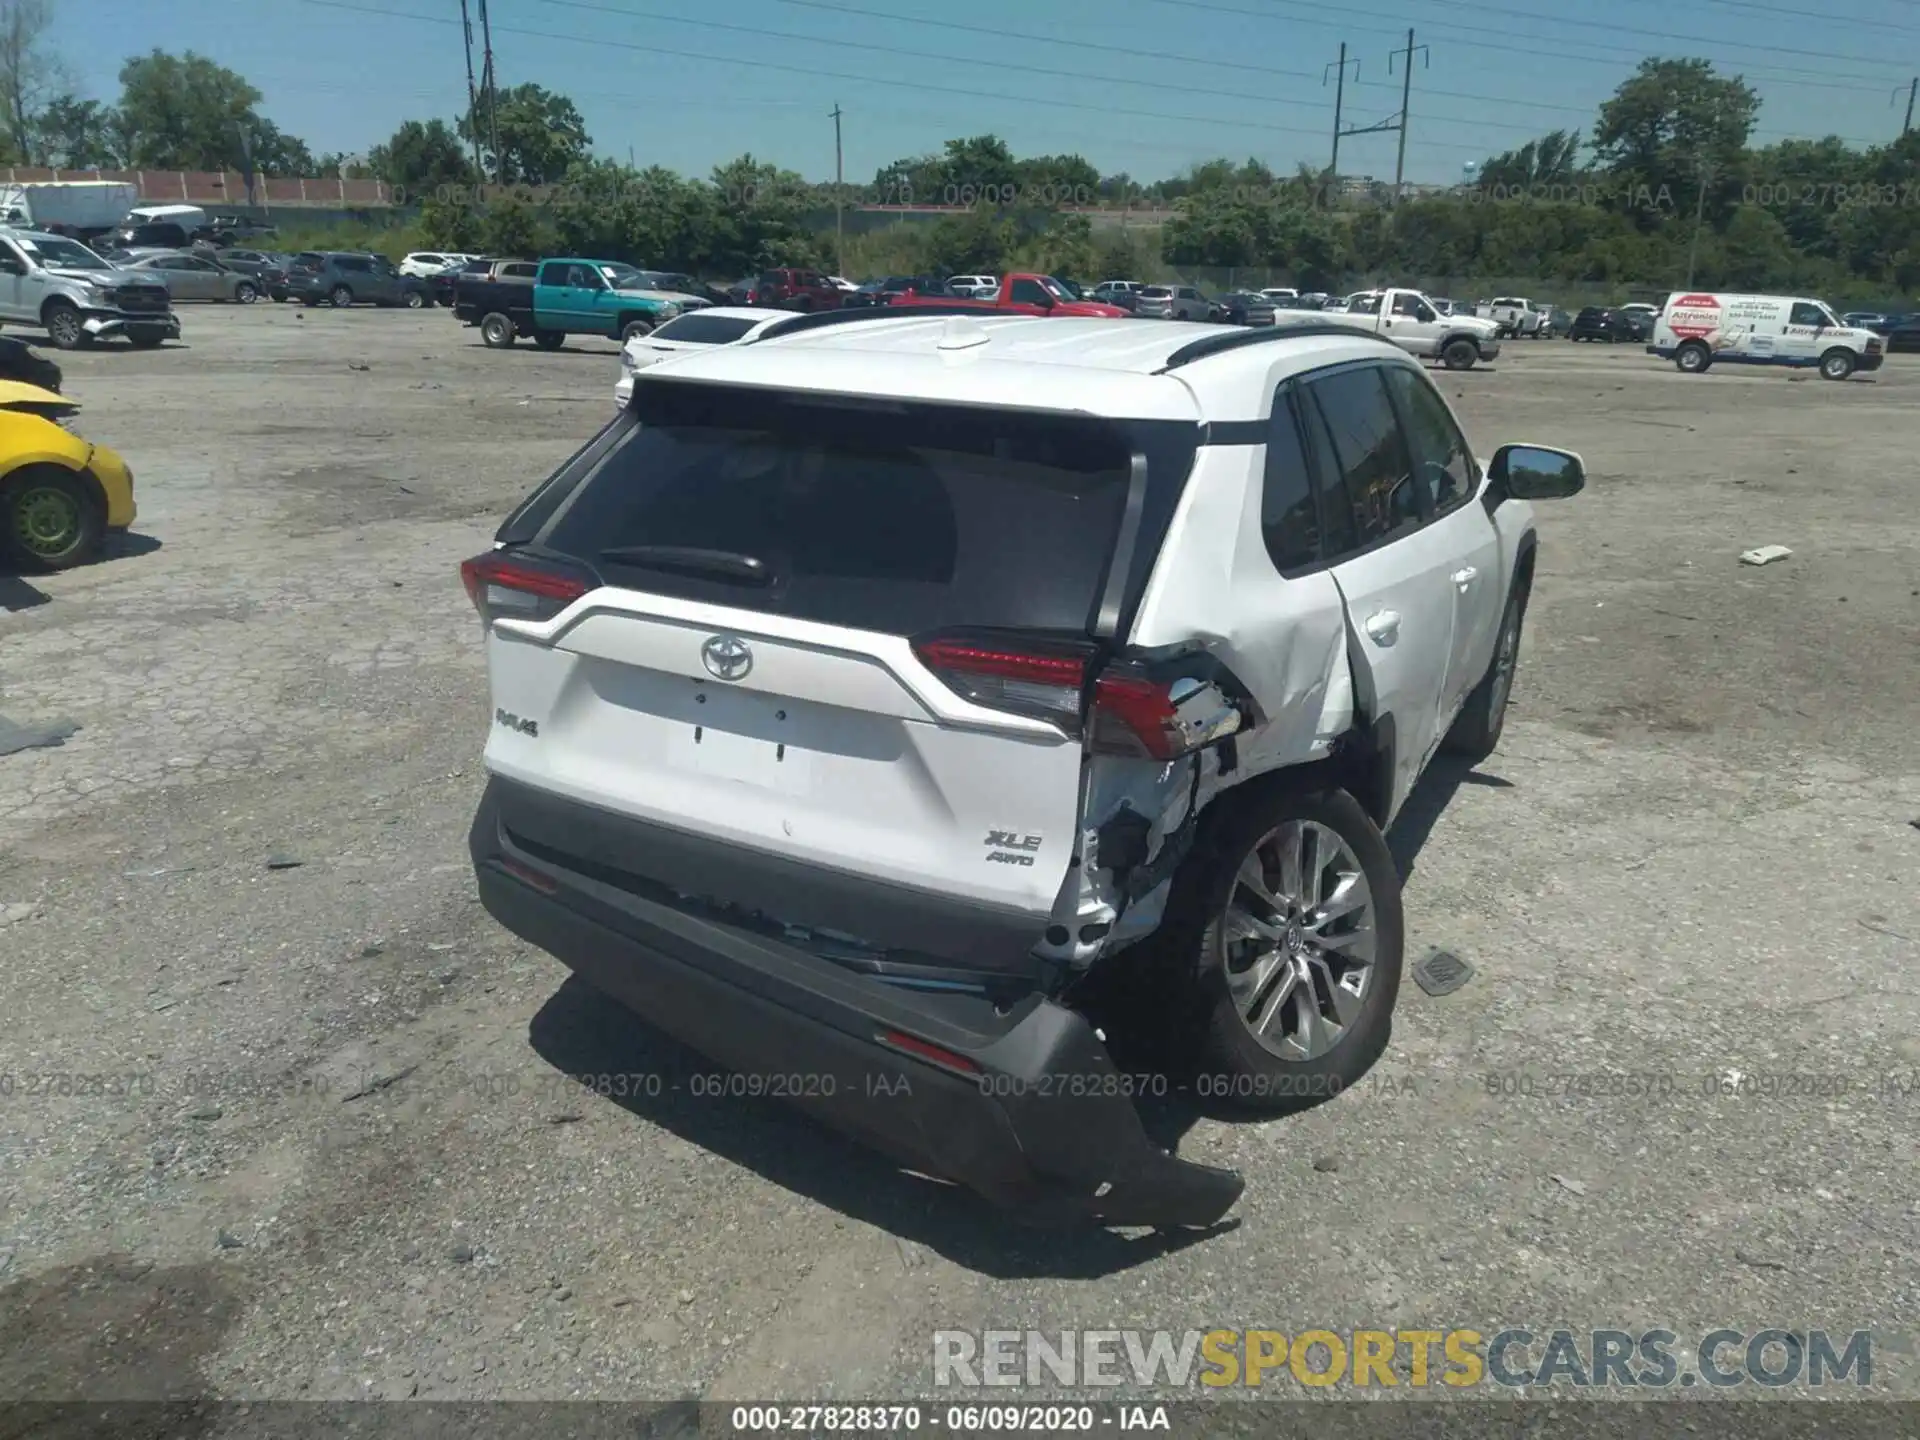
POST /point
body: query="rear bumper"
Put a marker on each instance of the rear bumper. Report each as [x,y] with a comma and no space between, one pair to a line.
[1035,1117]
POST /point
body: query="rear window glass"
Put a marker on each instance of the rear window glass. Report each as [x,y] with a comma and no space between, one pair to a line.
[1156,292]
[894,518]
[706,329]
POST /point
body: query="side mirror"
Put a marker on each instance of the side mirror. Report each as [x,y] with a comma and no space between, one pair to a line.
[1534,472]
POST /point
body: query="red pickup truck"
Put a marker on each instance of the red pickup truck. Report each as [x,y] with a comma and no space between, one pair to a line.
[1020,295]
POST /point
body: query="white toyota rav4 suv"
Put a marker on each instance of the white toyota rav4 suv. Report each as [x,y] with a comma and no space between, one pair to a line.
[864,690]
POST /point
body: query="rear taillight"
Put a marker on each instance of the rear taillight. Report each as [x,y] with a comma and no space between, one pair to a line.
[1121,711]
[505,587]
[1046,684]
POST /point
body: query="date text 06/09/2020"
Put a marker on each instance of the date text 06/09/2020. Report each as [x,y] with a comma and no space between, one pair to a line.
[1045,1419]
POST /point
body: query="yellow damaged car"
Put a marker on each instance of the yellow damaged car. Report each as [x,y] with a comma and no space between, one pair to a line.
[59,494]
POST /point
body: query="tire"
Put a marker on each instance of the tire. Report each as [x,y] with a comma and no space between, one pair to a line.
[340,297]
[549,339]
[1306,1055]
[246,293]
[496,331]
[49,520]
[1836,364]
[1459,354]
[145,339]
[64,326]
[279,299]
[415,300]
[1476,730]
[635,329]
[1693,358]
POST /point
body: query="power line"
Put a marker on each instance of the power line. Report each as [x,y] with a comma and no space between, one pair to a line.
[1050,72]
[1621,54]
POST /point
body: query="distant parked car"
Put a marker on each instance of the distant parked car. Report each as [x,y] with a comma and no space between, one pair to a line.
[716,325]
[790,289]
[882,292]
[1904,334]
[194,277]
[225,230]
[425,264]
[1172,302]
[689,293]
[1124,293]
[252,262]
[967,287]
[1246,307]
[350,277]
[1597,322]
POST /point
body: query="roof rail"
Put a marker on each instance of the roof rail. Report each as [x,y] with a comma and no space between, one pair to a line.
[1239,338]
[822,319]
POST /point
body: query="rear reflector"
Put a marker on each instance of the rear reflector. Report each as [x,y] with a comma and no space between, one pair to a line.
[503,587]
[931,1053]
[527,875]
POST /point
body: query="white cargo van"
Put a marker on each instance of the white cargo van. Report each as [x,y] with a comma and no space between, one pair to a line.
[1698,330]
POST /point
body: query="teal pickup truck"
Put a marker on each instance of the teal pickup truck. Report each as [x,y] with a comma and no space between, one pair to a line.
[549,300]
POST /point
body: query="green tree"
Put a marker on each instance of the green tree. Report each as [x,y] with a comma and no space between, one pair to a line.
[1553,159]
[184,112]
[981,240]
[540,133]
[514,228]
[30,75]
[76,134]
[1676,124]
[420,158]
[451,225]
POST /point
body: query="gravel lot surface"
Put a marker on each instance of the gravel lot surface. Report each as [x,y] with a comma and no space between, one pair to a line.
[337,1155]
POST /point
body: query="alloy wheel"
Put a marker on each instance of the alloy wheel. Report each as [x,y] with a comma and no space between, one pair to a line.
[1299,941]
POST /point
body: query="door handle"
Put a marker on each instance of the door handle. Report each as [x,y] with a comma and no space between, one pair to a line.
[1465,576]
[1384,627]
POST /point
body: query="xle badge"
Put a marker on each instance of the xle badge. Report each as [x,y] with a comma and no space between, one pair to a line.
[1006,848]
[516,724]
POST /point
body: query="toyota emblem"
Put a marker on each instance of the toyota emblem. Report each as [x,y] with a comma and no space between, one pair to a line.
[726,657]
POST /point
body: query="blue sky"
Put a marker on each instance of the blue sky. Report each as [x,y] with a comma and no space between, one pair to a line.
[1146,86]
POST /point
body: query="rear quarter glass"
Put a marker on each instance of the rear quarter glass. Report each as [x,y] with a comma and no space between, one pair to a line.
[899,519]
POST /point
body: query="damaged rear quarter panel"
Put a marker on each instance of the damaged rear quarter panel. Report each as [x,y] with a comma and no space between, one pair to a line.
[1284,638]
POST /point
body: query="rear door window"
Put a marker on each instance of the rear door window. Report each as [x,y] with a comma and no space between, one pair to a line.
[895,518]
[1370,454]
[701,329]
[1289,515]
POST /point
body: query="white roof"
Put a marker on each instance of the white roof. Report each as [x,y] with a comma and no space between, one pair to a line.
[1095,365]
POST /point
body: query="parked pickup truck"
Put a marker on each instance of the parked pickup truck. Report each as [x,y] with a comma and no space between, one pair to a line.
[52,281]
[553,299]
[1521,318]
[1416,325]
[1019,295]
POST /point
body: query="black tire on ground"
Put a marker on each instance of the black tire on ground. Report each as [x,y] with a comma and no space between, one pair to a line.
[1836,364]
[1238,1069]
[549,339]
[340,296]
[145,339]
[1459,355]
[415,300]
[64,326]
[246,292]
[634,329]
[38,491]
[496,331]
[1477,729]
[279,299]
[1693,358]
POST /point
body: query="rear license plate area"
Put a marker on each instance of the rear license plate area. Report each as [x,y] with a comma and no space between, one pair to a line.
[742,737]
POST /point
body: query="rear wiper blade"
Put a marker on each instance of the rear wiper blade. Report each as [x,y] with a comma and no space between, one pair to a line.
[688,560]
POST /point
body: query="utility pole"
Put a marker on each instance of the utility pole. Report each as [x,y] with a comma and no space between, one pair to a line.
[1406,97]
[473,96]
[839,198]
[1338,97]
[1339,102]
[1913,88]
[1699,221]
[493,96]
